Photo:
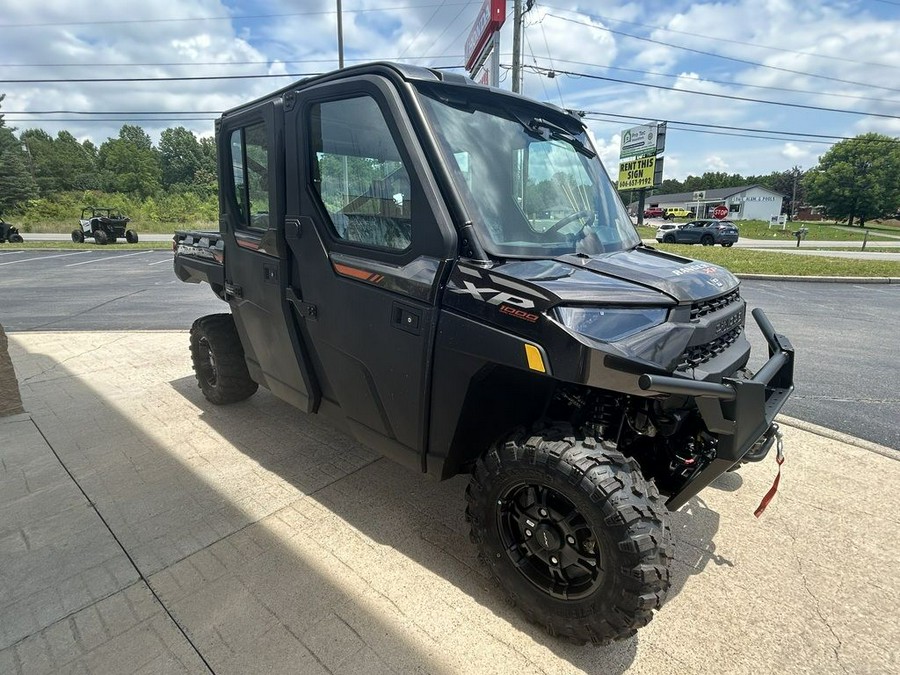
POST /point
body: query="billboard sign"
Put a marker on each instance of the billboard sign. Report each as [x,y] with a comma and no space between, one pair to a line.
[638,141]
[490,18]
[640,173]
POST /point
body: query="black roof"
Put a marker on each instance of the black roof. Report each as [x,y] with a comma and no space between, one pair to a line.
[405,71]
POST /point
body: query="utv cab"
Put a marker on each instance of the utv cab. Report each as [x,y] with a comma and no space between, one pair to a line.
[446,273]
[103,225]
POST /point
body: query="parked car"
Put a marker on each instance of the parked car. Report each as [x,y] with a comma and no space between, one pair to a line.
[707,231]
[667,227]
[679,212]
[9,233]
[656,212]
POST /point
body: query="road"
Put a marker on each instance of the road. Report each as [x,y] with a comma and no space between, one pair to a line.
[845,334]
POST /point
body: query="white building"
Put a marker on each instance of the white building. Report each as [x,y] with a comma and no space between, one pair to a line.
[749,202]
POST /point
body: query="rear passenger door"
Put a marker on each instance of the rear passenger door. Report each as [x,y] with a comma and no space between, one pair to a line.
[369,241]
[251,207]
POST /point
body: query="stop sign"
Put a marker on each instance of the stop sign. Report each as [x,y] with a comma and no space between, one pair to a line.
[720,212]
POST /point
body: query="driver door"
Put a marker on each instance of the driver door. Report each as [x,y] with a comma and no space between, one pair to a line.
[369,240]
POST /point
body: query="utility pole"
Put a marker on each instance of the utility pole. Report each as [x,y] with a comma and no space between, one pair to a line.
[340,27]
[517,46]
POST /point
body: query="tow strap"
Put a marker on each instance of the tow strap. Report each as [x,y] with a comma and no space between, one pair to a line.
[779,458]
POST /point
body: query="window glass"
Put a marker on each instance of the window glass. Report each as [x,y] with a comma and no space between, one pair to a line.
[250,167]
[359,174]
[531,183]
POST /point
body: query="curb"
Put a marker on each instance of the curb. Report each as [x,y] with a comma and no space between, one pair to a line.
[822,280]
[882,450]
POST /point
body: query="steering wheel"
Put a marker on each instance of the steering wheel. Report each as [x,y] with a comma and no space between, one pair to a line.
[560,224]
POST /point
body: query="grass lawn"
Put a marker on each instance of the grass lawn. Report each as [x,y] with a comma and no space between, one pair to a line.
[139,226]
[70,246]
[747,261]
[823,231]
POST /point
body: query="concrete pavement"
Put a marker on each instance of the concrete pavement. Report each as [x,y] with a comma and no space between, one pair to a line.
[145,530]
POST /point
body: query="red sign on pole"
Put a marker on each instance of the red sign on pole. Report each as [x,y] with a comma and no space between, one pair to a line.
[720,212]
[490,18]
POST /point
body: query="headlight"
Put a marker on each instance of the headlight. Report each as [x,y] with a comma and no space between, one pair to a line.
[609,324]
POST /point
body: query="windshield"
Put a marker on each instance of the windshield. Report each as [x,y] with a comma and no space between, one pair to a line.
[533,186]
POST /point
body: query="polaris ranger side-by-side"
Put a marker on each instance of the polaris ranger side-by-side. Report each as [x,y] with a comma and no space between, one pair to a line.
[445,271]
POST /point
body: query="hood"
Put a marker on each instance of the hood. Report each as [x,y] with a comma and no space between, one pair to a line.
[634,277]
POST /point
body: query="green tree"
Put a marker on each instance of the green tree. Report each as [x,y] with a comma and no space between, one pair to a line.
[180,158]
[60,164]
[17,183]
[130,163]
[857,178]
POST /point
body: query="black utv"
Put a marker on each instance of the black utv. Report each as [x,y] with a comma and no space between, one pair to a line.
[9,233]
[445,271]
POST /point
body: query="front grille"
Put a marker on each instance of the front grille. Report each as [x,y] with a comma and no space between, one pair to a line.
[694,356]
[705,307]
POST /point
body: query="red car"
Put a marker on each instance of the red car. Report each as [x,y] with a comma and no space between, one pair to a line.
[656,212]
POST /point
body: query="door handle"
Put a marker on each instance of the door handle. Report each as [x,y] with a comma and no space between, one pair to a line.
[406,318]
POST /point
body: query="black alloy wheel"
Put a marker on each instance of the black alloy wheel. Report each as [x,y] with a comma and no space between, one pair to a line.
[549,541]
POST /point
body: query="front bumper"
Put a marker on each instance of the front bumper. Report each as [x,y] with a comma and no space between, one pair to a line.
[739,411]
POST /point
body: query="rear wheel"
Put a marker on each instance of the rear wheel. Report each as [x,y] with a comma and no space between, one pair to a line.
[218,359]
[669,239]
[573,533]
[100,237]
[728,245]
[78,236]
[707,240]
[15,238]
[131,236]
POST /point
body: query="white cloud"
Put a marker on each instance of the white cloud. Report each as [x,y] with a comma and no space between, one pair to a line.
[854,35]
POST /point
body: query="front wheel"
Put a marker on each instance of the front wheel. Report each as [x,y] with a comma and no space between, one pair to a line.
[131,236]
[15,238]
[218,359]
[100,237]
[78,236]
[669,239]
[573,532]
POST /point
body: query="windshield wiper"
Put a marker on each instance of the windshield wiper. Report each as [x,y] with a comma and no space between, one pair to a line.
[560,134]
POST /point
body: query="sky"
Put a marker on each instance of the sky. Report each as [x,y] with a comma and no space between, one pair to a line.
[622,63]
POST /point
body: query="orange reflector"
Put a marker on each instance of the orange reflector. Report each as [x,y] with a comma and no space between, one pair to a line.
[535,362]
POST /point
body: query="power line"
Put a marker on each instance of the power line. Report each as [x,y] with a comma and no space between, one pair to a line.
[726,133]
[726,83]
[221,63]
[225,17]
[174,79]
[95,120]
[728,127]
[706,93]
[731,40]
[720,56]
[421,29]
